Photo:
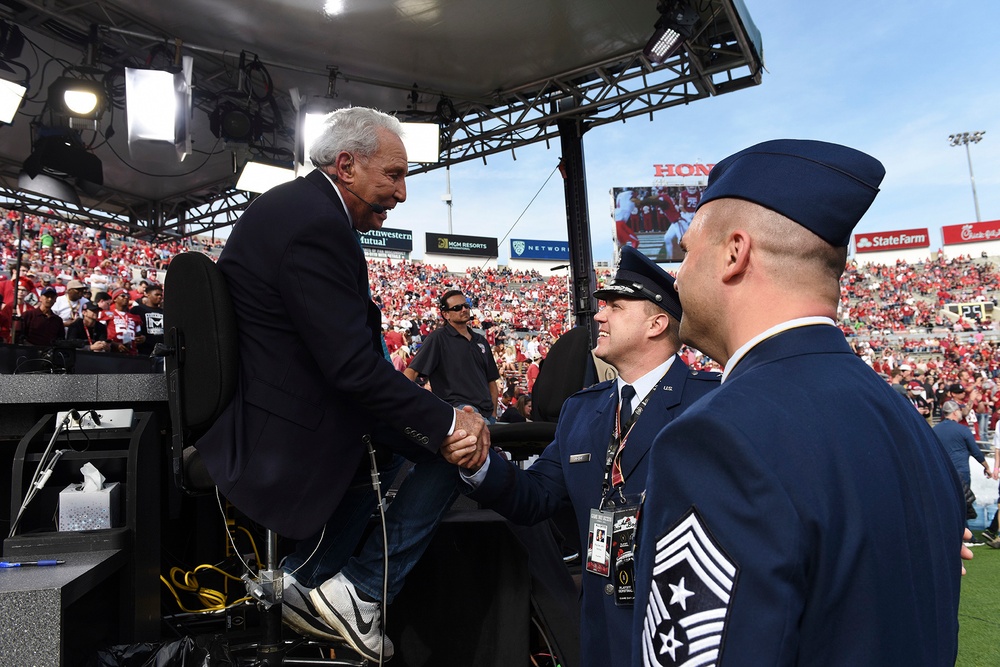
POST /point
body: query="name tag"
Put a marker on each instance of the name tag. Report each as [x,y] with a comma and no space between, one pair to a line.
[579,458]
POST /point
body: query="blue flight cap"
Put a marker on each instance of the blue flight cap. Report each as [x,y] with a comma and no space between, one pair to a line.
[824,187]
[639,277]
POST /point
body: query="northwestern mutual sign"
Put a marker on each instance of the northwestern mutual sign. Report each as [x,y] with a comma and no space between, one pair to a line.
[399,240]
[897,240]
[972,232]
[534,249]
[470,246]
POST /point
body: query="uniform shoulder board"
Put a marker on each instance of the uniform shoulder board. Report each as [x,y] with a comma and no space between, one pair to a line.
[706,376]
[600,386]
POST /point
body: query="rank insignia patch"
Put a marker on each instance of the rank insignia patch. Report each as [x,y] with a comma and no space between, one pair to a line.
[689,597]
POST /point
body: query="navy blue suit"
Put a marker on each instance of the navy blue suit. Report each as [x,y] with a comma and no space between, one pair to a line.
[585,426]
[313,378]
[803,514]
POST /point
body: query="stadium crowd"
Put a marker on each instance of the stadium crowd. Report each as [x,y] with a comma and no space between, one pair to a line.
[896,316]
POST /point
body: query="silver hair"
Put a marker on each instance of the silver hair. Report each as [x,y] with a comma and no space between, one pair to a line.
[353,130]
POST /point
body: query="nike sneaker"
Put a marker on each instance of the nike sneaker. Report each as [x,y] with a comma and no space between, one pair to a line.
[299,613]
[359,622]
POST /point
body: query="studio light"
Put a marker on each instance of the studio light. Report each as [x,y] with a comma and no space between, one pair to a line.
[11,95]
[158,110]
[311,114]
[61,157]
[232,122]
[48,186]
[82,101]
[260,175]
[422,142]
[676,23]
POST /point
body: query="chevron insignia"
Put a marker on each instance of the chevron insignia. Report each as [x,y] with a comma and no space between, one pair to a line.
[689,597]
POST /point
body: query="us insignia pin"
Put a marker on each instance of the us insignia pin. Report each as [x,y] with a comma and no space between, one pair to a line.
[689,597]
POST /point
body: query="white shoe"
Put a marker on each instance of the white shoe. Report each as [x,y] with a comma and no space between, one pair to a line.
[298,612]
[359,622]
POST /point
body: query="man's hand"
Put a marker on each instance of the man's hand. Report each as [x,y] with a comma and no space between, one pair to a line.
[966,551]
[469,445]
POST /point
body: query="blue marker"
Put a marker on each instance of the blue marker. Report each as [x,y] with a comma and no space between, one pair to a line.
[26,563]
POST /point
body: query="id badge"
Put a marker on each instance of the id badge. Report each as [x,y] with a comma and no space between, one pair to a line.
[623,543]
[599,542]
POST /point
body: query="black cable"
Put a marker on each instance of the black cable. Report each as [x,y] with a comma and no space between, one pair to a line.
[186,173]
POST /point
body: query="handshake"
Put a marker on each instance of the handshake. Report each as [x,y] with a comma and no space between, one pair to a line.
[469,444]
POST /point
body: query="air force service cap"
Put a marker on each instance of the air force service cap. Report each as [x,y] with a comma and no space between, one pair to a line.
[824,187]
[639,277]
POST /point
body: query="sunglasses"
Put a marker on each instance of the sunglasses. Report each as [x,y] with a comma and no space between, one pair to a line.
[459,308]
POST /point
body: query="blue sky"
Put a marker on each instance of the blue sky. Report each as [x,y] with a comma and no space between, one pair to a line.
[893,79]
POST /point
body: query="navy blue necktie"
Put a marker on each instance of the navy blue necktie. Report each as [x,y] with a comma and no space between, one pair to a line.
[628,393]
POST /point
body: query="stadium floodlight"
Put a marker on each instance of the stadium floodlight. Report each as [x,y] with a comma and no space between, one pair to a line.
[11,96]
[964,139]
[158,111]
[260,175]
[676,23]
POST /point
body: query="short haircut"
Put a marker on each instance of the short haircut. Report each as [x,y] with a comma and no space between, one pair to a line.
[353,130]
[443,301]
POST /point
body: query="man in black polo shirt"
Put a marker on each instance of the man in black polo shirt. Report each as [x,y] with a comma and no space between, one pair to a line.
[458,361]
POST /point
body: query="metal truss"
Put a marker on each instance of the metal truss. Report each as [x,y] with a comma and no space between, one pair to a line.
[720,59]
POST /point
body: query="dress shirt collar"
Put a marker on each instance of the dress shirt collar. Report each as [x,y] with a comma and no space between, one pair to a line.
[776,329]
[339,196]
[645,384]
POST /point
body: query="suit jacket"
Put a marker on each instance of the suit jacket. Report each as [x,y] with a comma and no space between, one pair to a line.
[585,426]
[313,379]
[803,514]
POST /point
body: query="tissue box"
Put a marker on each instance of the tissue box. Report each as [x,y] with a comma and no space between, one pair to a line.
[93,510]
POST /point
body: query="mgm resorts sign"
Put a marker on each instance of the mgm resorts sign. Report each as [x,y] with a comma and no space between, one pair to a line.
[469,246]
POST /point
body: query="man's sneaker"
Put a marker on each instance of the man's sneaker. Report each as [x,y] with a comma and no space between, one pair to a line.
[994,543]
[987,535]
[974,542]
[298,612]
[358,621]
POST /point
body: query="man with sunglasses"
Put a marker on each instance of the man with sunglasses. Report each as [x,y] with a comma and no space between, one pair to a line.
[458,361]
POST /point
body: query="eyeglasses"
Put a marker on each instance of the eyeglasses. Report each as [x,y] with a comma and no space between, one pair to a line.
[459,308]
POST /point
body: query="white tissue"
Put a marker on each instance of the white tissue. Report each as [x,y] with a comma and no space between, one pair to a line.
[93,480]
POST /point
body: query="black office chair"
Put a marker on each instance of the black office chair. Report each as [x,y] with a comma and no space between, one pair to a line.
[568,368]
[201,351]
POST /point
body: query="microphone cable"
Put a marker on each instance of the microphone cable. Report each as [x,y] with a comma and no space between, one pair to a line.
[377,485]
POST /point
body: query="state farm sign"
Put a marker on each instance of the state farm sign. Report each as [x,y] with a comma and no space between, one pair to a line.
[972,232]
[898,240]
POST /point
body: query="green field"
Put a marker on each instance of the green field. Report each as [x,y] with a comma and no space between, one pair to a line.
[979,611]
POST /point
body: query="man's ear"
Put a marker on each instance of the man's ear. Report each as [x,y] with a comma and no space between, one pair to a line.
[737,255]
[343,168]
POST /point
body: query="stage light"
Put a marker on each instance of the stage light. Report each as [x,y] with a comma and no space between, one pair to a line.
[676,23]
[422,142]
[82,101]
[232,122]
[62,157]
[260,175]
[11,95]
[311,113]
[158,110]
[48,186]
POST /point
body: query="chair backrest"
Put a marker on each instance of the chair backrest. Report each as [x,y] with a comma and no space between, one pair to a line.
[200,328]
[567,369]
